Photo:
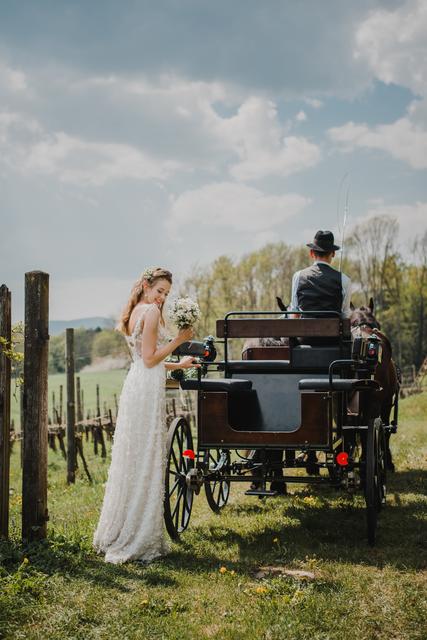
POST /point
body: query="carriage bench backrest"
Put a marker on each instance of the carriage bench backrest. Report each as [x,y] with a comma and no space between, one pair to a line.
[283,328]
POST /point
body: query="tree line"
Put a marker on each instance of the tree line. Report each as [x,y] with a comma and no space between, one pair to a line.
[89,345]
[252,282]
[372,260]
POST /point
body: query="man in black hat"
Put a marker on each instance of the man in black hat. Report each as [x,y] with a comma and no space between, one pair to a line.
[321,287]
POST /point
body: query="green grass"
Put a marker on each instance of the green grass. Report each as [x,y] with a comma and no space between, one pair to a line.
[61,589]
[110,383]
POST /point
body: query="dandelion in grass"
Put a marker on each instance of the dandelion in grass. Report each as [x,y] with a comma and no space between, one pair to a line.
[223,570]
[261,590]
[184,312]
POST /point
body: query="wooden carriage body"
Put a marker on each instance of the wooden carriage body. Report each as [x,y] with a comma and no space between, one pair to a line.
[314,394]
[271,412]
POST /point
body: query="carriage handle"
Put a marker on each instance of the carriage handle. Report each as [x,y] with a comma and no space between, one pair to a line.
[338,363]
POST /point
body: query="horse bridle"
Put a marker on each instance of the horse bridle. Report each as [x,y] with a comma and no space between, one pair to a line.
[361,325]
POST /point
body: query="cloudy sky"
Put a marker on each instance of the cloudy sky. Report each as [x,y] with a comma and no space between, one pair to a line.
[136,133]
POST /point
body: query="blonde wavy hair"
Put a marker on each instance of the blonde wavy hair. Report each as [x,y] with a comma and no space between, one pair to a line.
[150,276]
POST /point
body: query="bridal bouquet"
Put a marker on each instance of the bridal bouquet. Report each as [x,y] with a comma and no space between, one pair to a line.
[184,312]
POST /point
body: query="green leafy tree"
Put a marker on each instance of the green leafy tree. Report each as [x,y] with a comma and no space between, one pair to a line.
[109,343]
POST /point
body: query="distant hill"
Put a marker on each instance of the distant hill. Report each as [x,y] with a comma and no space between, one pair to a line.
[58,326]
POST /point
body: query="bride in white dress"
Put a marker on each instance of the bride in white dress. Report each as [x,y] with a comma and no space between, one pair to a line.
[131,523]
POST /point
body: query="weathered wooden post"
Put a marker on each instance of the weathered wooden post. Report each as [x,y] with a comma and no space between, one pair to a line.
[34,476]
[79,400]
[21,413]
[71,407]
[98,431]
[61,404]
[5,371]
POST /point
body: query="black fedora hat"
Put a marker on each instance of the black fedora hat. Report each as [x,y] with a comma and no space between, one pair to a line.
[323,242]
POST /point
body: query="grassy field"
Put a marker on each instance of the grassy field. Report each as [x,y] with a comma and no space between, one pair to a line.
[110,383]
[207,587]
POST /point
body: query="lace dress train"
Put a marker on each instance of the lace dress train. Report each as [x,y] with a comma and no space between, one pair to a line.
[131,521]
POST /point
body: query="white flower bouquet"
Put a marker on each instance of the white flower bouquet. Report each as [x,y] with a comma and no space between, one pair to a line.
[184,312]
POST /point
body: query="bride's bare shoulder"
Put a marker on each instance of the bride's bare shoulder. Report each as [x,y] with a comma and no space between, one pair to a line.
[142,309]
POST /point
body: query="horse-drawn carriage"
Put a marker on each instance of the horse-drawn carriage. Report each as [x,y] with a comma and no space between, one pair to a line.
[312,395]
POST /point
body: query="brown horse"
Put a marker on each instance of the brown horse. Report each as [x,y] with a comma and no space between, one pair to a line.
[364,323]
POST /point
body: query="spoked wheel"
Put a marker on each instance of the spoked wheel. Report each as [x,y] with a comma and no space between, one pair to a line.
[178,496]
[375,476]
[217,491]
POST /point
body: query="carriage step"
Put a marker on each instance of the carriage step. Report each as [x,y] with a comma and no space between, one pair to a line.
[261,492]
[391,428]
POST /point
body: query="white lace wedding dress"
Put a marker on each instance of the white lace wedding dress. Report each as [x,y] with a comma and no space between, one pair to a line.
[131,522]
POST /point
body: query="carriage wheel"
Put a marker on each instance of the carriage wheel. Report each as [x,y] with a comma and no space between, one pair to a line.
[178,496]
[217,491]
[375,476]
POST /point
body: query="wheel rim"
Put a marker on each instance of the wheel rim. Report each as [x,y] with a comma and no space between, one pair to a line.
[375,479]
[178,496]
[217,491]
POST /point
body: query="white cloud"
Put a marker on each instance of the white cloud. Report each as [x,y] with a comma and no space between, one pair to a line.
[255,134]
[403,139]
[394,44]
[258,138]
[28,148]
[301,116]
[89,163]
[167,124]
[233,206]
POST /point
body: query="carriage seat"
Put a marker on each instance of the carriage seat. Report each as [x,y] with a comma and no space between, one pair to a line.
[338,384]
[316,357]
[256,366]
[229,385]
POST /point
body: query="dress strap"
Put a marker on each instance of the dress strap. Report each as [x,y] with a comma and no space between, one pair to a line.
[137,327]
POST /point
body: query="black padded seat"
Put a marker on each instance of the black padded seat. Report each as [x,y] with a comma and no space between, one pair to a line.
[230,385]
[252,366]
[338,384]
[316,357]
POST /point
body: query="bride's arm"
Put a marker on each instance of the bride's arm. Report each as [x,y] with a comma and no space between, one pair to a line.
[151,354]
[187,362]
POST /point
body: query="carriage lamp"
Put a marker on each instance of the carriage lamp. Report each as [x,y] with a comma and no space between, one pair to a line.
[342,459]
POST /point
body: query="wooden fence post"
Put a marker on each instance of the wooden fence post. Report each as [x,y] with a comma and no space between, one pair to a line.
[71,407]
[79,400]
[5,371]
[60,403]
[21,413]
[34,476]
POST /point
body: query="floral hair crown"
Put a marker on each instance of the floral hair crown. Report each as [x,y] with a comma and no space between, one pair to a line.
[149,273]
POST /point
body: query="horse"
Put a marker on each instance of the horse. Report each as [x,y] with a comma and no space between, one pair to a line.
[364,322]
